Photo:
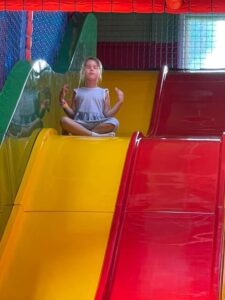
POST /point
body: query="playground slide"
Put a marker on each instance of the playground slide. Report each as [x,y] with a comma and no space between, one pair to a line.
[55,240]
[169,223]
[139,90]
[169,241]
[189,104]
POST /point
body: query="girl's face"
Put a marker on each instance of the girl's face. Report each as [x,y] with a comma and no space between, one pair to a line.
[91,71]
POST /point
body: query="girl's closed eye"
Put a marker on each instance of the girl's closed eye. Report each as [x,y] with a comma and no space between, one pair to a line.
[91,67]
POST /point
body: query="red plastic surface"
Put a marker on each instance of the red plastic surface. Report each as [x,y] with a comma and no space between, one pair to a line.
[164,256]
[110,255]
[168,244]
[126,6]
[189,104]
[175,175]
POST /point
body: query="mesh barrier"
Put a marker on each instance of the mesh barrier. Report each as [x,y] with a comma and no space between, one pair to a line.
[118,6]
[125,41]
[150,41]
[137,41]
[201,42]
[48,31]
[12,41]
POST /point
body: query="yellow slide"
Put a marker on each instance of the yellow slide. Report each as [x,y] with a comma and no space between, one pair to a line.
[54,244]
[139,90]
[60,226]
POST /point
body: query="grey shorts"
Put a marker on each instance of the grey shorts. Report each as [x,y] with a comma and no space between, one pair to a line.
[92,124]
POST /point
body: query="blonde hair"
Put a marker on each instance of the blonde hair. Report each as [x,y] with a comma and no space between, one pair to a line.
[82,70]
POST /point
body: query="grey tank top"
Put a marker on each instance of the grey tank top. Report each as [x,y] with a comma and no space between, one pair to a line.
[90,104]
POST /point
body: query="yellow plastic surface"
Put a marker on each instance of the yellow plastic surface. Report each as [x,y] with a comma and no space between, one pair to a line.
[139,90]
[55,240]
[14,154]
[138,87]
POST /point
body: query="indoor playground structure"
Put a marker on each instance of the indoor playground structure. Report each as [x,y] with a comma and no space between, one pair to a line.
[138,216]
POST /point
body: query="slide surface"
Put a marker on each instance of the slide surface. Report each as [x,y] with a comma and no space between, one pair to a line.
[55,241]
[189,104]
[139,90]
[169,244]
[166,239]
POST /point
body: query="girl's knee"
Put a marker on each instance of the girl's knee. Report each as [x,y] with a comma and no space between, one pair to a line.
[64,120]
[116,124]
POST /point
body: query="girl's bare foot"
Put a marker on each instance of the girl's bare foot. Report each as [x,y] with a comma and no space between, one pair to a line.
[111,134]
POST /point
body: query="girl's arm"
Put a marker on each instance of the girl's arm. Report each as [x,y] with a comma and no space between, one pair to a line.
[108,111]
[69,110]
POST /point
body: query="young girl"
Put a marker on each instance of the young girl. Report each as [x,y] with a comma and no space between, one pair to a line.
[90,113]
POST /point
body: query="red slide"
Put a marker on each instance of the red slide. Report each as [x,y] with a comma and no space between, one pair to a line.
[189,104]
[166,241]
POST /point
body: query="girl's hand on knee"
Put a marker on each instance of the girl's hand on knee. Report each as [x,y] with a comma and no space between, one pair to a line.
[120,95]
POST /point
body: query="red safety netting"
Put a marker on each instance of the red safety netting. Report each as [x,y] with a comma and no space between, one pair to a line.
[115,6]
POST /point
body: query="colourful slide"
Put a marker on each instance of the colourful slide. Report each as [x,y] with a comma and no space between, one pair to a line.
[70,237]
[55,240]
[57,231]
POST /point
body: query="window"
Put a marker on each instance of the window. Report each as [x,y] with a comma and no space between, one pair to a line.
[202,42]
